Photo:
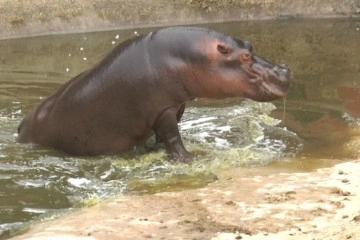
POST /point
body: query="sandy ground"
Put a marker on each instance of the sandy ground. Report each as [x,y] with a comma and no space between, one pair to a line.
[242,204]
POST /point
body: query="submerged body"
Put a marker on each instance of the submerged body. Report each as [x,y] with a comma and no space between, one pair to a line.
[141,87]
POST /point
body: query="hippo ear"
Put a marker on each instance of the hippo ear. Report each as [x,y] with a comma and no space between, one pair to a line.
[224,49]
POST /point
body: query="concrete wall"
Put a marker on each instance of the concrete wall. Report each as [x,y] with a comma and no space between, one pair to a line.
[37,17]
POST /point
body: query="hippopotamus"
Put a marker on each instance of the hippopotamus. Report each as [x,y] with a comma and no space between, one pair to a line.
[140,89]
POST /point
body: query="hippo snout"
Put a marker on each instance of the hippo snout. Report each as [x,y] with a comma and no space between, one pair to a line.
[279,80]
[281,68]
[283,72]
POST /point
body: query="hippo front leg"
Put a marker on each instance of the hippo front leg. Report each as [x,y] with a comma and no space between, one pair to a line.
[167,131]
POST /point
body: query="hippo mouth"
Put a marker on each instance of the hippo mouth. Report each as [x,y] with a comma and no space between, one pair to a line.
[274,79]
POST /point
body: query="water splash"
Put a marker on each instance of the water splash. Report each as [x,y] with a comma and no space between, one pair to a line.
[219,138]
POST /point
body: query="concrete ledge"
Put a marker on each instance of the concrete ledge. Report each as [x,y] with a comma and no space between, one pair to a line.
[28,18]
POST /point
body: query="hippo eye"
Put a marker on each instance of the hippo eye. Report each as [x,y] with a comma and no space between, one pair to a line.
[223,49]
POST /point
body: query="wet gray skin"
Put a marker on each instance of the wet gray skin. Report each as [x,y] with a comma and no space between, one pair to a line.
[141,87]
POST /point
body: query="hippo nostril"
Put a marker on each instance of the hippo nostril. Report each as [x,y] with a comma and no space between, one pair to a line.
[284,67]
[281,68]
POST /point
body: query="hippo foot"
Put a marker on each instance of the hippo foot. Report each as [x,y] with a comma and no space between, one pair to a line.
[184,157]
[167,132]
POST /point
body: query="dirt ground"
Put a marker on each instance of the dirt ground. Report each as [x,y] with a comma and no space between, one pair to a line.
[242,204]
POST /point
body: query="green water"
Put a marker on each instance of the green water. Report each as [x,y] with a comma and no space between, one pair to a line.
[315,126]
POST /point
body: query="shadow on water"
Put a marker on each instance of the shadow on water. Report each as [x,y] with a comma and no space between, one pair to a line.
[316,127]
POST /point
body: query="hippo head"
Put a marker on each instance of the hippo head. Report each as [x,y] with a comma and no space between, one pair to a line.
[227,67]
[265,81]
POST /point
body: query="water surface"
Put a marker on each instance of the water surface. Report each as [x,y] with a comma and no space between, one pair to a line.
[315,126]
